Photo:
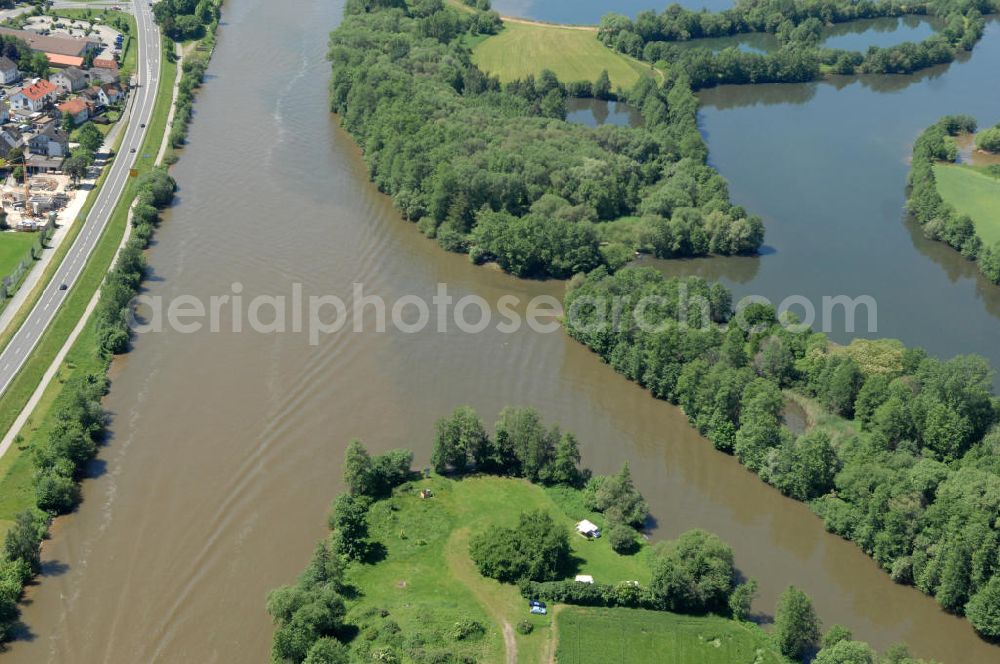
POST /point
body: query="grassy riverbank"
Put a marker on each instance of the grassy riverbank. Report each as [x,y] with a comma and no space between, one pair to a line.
[598,635]
[573,54]
[974,193]
[415,591]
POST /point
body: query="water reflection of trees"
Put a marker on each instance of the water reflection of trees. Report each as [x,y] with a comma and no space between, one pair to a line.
[886,24]
[727,97]
[956,267]
[736,269]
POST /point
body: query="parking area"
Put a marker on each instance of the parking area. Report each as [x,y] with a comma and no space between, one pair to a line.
[95,30]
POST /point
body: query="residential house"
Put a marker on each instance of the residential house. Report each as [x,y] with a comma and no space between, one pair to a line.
[34,97]
[69,80]
[77,109]
[92,95]
[9,139]
[8,71]
[104,70]
[111,93]
[50,141]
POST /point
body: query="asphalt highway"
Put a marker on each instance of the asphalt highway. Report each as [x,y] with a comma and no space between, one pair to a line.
[20,347]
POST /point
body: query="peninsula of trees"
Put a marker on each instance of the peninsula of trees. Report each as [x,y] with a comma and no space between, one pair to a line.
[495,171]
[939,219]
[798,28]
[904,460]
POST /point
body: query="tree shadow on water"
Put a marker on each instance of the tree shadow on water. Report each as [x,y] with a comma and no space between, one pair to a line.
[53,568]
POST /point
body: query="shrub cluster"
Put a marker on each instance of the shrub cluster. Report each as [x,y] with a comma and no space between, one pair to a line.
[989,139]
[534,550]
[309,615]
[112,316]
[914,488]
[522,447]
[193,71]
[20,561]
[186,19]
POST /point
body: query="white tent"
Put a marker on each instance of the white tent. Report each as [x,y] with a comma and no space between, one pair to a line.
[588,529]
[584,578]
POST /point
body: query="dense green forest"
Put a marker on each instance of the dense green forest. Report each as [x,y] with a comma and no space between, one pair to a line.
[798,26]
[910,473]
[938,219]
[495,170]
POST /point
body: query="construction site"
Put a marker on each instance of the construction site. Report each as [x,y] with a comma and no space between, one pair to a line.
[32,205]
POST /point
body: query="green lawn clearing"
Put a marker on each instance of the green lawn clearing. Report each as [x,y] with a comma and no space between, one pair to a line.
[427,581]
[973,193]
[573,54]
[13,249]
[634,636]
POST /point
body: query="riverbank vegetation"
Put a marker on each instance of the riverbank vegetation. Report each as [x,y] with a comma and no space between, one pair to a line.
[911,475]
[493,169]
[798,28]
[955,204]
[43,471]
[521,50]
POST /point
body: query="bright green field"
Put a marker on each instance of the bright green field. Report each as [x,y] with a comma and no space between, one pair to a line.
[427,580]
[974,194]
[574,55]
[13,248]
[634,636]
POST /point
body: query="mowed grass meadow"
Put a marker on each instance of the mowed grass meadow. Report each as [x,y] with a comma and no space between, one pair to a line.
[630,636]
[574,54]
[973,193]
[13,249]
[426,582]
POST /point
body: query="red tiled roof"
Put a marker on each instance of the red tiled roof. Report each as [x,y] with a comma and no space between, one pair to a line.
[38,90]
[73,106]
[65,60]
[105,63]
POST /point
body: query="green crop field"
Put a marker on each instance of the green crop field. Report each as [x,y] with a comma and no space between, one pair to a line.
[973,193]
[573,54]
[13,249]
[634,636]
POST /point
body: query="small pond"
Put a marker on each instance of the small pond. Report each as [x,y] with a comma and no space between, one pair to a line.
[882,32]
[596,112]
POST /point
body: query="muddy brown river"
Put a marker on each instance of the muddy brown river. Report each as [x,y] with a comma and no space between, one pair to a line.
[226,447]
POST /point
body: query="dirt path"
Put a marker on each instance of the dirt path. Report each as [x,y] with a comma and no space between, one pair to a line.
[543,24]
[463,569]
[509,643]
[554,639]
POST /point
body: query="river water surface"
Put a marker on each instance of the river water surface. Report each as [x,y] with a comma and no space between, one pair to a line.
[226,448]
